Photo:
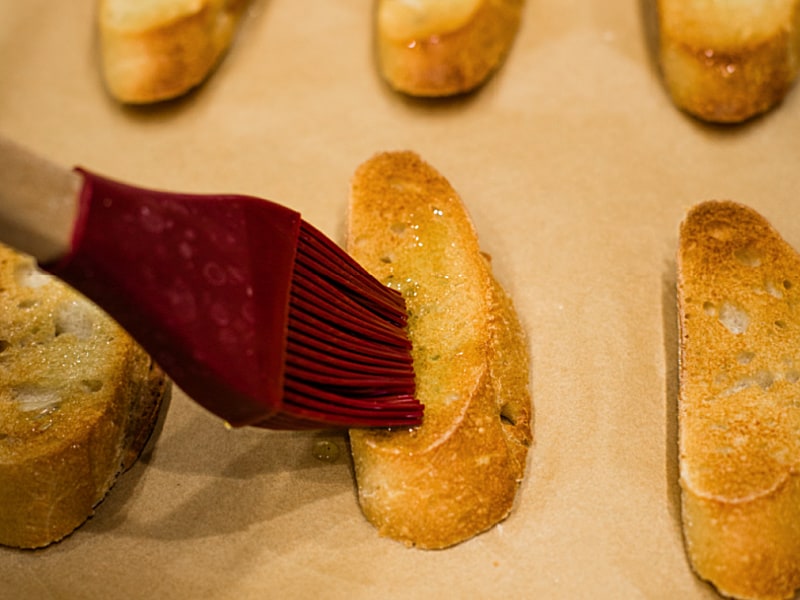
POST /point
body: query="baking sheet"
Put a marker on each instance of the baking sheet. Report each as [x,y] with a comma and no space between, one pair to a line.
[576,169]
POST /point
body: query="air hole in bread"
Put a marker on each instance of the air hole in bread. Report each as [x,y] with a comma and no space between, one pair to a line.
[398,227]
[74,318]
[787,285]
[738,386]
[28,275]
[765,379]
[4,345]
[32,398]
[386,259]
[91,385]
[27,303]
[734,318]
[720,231]
[748,256]
[400,183]
[779,324]
[508,415]
[773,290]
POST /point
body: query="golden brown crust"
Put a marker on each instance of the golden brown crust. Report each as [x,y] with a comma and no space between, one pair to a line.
[748,549]
[731,63]
[78,402]
[157,58]
[457,474]
[739,404]
[450,62]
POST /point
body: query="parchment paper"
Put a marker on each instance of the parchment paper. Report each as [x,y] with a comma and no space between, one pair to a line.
[577,170]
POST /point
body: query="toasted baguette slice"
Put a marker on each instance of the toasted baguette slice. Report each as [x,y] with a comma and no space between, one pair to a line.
[443,47]
[456,475]
[728,61]
[78,401]
[739,405]
[153,50]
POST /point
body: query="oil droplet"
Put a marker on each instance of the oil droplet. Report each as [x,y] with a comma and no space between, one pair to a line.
[326,450]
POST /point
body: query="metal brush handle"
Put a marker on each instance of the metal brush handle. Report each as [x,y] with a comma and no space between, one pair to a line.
[38,203]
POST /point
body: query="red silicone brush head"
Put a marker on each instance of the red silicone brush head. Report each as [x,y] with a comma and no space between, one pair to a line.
[253,313]
[348,359]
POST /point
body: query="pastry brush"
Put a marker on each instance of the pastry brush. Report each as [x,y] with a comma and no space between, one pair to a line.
[253,313]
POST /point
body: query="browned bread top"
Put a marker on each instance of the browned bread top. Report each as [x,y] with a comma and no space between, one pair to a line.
[739,401]
[441,48]
[740,364]
[153,50]
[457,474]
[728,61]
[78,401]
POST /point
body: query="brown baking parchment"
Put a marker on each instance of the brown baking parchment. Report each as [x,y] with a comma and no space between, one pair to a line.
[576,169]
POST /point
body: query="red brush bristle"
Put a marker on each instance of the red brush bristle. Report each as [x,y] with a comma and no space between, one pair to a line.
[348,359]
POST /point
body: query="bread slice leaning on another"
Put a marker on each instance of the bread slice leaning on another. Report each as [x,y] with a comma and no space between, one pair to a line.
[78,402]
[154,50]
[739,401]
[443,47]
[728,61]
[457,474]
